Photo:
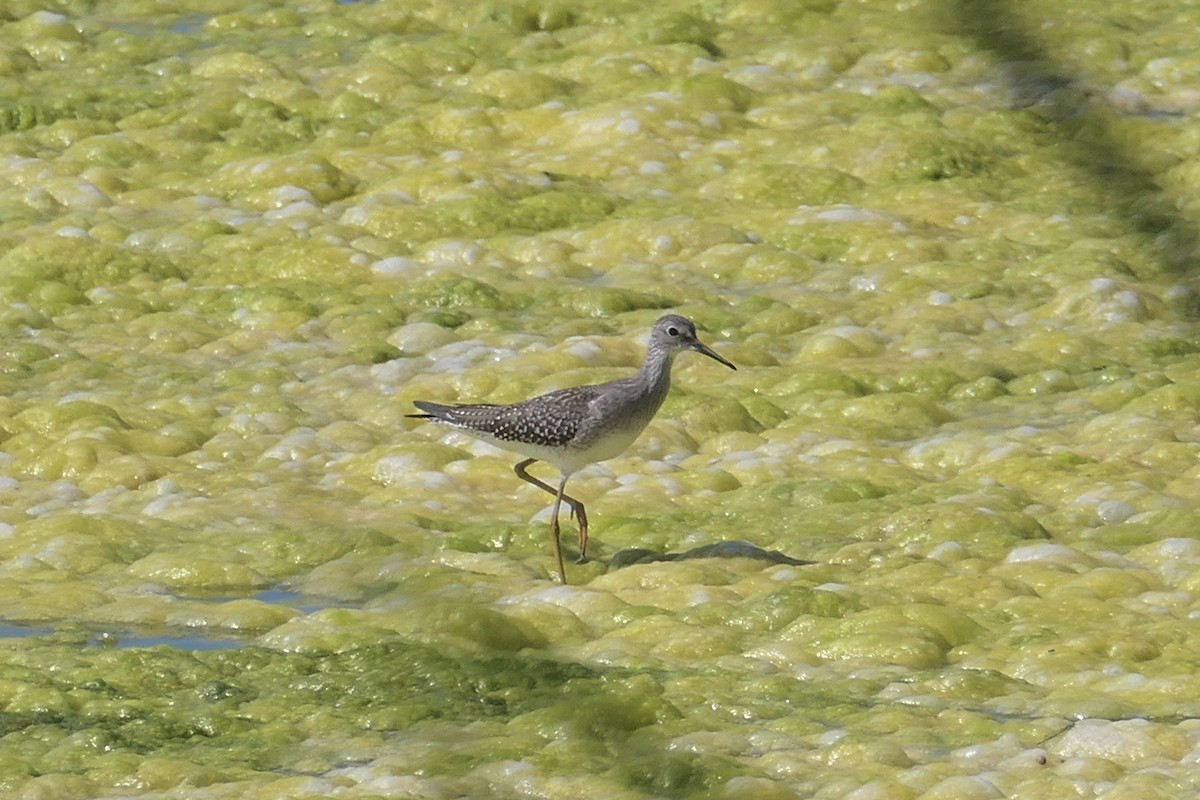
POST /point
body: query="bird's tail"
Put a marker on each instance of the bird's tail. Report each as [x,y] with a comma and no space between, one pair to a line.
[431,410]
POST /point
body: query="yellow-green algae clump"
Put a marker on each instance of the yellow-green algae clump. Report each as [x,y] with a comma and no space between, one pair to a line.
[950,246]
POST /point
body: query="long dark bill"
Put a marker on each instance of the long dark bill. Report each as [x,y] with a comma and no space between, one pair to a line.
[713,354]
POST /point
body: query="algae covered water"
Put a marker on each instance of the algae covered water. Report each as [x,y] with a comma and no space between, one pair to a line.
[950,246]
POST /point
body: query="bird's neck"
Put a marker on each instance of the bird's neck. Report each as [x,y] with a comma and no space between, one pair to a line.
[654,378]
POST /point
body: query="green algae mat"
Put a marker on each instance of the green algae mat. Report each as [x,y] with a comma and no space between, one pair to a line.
[952,247]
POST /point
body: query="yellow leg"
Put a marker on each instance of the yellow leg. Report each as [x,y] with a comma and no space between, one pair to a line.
[577,510]
[558,498]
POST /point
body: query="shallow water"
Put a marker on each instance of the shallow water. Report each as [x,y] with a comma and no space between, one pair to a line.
[951,248]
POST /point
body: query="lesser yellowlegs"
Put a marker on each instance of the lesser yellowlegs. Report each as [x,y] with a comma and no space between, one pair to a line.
[571,428]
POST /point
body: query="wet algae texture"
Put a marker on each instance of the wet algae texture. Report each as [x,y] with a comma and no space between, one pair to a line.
[935,538]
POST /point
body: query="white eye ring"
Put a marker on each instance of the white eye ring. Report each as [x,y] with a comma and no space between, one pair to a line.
[672,331]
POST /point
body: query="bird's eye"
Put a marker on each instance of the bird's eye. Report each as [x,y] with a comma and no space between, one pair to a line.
[672,331]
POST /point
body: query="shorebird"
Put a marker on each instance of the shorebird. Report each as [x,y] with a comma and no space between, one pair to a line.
[571,428]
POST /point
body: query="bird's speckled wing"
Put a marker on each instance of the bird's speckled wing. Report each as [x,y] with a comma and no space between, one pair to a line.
[550,420]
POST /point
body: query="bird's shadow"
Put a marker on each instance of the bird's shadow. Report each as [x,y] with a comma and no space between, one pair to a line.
[629,556]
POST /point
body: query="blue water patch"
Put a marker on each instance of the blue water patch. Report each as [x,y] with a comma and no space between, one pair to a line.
[189,640]
[183,24]
[189,23]
[182,641]
[301,602]
[21,631]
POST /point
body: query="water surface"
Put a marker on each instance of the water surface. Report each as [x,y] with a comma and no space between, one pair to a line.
[950,247]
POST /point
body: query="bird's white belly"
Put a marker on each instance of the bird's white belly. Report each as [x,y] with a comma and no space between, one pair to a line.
[570,458]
